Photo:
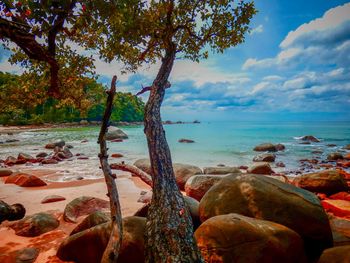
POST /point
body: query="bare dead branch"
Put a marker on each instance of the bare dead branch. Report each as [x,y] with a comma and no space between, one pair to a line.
[134,171]
[112,250]
[148,88]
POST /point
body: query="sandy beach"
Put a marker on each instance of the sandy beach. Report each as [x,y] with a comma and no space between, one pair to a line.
[129,191]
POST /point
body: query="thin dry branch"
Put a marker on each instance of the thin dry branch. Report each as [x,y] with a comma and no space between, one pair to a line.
[112,250]
[134,171]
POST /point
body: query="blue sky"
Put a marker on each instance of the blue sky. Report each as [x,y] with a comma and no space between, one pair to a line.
[294,65]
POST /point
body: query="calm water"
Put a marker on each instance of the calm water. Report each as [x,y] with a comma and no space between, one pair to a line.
[229,143]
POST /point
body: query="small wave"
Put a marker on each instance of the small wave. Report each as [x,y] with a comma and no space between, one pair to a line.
[298,137]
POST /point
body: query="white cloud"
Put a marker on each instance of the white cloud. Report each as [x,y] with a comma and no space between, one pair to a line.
[330,20]
[257,30]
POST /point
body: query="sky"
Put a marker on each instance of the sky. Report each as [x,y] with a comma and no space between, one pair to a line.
[294,65]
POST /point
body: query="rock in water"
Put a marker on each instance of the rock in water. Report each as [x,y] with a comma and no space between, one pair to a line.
[260,168]
[336,255]
[236,238]
[267,157]
[310,138]
[186,141]
[93,242]
[269,199]
[83,205]
[265,147]
[221,170]
[335,156]
[115,133]
[327,182]
[35,225]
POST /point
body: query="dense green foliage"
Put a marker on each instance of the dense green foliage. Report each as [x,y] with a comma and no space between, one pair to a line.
[22,103]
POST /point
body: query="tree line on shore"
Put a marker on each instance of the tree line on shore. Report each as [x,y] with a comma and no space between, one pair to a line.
[24,103]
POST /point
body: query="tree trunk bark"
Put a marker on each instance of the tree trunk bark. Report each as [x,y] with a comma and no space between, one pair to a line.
[169,229]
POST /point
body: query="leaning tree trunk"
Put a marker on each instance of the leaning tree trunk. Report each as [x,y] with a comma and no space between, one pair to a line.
[169,229]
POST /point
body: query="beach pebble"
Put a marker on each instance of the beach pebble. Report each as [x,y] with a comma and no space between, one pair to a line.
[335,156]
[327,182]
[185,141]
[266,157]
[35,225]
[339,254]
[117,155]
[221,170]
[237,238]
[199,184]
[83,205]
[5,172]
[260,168]
[270,199]
[52,198]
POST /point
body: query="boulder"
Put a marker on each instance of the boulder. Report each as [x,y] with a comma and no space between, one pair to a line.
[269,199]
[280,147]
[309,138]
[84,122]
[52,198]
[49,161]
[341,230]
[24,180]
[236,238]
[182,171]
[25,255]
[335,156]
[265,147]
[11,212]
[221,170]
[35,225]
[199,184]
[24,156]
[266,157]
[336,255]
[10,160]
[83,205]
[327,182]
[260,168]
[186,141]
[5,172]
[59,143]
[347,147]
[114,133]
[91,220]
[93,242]
[339,208]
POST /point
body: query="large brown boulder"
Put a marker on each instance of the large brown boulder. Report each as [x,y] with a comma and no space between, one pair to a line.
[269,199]
[24,180]
[115,133]
[221,170]
[336,255]
[269,147]
[92,220]
[83,205]
[236,238]
[11,212]
[310,138]
[182,171]
[335,156]
[93,242]
[328,182]
[35,225]
[199,184]
[260,168]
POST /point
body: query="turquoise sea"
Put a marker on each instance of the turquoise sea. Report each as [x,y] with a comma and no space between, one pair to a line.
[229,143]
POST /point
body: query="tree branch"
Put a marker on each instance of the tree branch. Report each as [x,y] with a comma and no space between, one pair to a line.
[134,171]
[112,250]
[148,88]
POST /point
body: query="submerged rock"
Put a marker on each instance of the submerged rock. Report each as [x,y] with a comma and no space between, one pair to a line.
[236,238]
[186,141]
[269,199]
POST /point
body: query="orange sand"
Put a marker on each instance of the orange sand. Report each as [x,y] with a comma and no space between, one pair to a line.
[129,191]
